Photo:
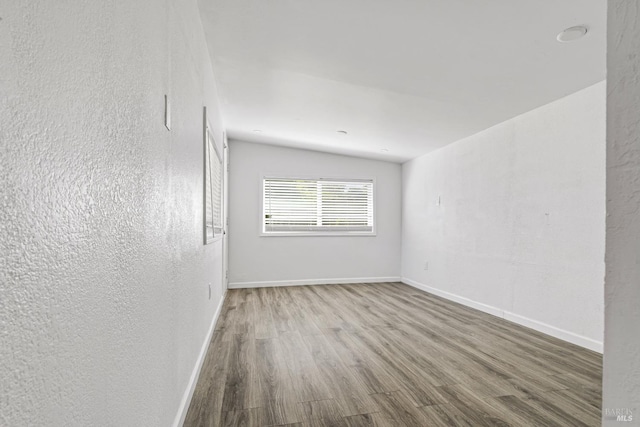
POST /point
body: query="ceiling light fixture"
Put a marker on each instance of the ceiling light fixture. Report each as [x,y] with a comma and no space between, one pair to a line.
[343,132]
[257,131]
[572,34]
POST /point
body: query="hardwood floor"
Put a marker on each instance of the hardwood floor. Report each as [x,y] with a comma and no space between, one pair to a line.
[385,355]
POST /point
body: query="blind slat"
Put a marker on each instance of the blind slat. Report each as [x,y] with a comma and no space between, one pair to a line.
[317,205]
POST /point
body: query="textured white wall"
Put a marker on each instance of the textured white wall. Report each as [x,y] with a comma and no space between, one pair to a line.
[103,275]
[622,286]
[253,258]
[520,227]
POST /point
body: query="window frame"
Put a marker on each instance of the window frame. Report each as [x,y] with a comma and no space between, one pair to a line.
[215,232]
[306,233]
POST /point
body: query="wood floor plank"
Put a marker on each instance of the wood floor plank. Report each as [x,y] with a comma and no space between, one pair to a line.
[333,314]
[526,388]
[420,387]
[244,322]
[445,416]
[253,417]
[463,363]
[282,319]
[519,413]
[226,323]
[396,409]
[264,327]
[421,352]
[365,366]
[302,320]
[272,388]
[308,383]
[346,388]
[365,420]
[322,413]
[477,356]
[558,412]
[589,393]
[238,380]
[206,405]
[574,404]
[473,407]
[352,302]
[385,355]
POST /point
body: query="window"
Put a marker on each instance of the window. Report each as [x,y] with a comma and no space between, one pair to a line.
[317,206]
[212,185]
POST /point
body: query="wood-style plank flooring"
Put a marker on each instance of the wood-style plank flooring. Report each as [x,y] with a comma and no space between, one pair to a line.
[385,355]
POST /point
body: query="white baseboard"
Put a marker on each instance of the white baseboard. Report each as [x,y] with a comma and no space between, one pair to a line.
[188,393]
[571,337]
[562,334]
[453,297]
[270,284]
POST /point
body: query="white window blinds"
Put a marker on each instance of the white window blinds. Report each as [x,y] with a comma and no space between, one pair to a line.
[317,205]
[213,188]
[216,190]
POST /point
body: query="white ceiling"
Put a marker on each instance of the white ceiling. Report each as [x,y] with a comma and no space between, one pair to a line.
[408,76]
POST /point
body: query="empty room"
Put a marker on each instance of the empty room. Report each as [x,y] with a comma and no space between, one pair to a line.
[319,213]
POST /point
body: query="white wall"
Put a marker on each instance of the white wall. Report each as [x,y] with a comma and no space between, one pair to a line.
[520,228]
[621,383]
[103,275]
[254,260]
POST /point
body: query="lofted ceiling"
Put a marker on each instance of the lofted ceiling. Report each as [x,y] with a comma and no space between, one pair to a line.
[405,76]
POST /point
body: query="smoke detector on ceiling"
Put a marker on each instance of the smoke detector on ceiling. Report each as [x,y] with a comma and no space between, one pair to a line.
[572,34]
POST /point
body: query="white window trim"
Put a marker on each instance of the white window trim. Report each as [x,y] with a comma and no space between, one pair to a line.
[218,232]
[372,233]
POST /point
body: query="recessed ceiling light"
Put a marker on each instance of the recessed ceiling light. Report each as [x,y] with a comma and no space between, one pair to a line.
[572,33]
[344,132]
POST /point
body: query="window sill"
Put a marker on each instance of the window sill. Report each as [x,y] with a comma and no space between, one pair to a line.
[215,239]
[317,234]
